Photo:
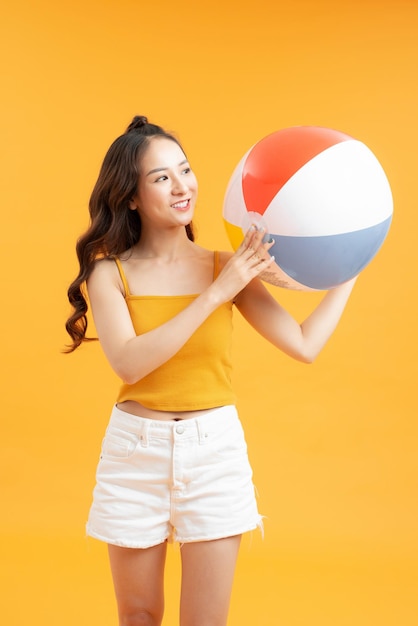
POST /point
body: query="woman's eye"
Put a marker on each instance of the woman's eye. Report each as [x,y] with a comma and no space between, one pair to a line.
[161,178]
[187,170]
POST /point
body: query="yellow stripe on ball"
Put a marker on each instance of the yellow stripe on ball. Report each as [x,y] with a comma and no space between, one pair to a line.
[234,233]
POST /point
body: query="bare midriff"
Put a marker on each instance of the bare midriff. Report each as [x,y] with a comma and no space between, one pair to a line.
[135,408]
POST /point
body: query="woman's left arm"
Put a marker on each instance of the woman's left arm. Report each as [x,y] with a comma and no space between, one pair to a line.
[301,341]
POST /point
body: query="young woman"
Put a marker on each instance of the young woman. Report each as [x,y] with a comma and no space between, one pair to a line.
[174,461]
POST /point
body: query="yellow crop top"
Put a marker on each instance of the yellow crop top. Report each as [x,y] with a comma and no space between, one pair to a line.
[198,376]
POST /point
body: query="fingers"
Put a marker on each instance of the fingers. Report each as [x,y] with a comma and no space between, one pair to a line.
[253,245]
[263,262]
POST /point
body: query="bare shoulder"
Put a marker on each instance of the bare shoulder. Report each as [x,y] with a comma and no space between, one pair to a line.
[105,273]
[224,257]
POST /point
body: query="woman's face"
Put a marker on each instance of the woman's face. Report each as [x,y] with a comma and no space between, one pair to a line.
[167,187]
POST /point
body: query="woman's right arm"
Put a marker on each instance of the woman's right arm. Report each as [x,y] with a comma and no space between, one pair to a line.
[134,356]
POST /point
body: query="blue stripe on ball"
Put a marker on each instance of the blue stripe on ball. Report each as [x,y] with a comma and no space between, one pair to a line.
[324,262]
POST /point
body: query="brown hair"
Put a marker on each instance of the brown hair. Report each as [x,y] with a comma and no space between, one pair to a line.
[114,227]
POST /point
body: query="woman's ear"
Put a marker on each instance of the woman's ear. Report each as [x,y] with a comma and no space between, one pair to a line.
[132,205]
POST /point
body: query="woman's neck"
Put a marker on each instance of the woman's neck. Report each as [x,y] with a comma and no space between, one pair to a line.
[168,245]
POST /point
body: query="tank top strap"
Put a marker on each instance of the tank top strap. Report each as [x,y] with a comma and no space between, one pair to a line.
[122,275]
[216,268]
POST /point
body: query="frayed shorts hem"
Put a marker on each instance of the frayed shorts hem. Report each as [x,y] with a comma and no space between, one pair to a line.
[125,544]
[174,537]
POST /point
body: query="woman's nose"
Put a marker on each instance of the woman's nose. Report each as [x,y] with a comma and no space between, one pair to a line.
[179,186]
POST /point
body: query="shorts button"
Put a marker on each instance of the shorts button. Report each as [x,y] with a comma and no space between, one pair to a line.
[180,430]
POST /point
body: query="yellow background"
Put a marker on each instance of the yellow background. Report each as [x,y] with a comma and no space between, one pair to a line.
[333,445]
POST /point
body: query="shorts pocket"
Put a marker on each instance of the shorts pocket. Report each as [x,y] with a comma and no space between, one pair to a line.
[119,443]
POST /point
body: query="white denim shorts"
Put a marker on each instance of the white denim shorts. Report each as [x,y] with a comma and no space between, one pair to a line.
[187,480]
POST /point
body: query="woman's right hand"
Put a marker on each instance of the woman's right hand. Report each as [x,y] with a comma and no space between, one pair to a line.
[248,262]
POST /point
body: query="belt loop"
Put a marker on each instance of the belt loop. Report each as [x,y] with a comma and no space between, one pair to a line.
[143,433]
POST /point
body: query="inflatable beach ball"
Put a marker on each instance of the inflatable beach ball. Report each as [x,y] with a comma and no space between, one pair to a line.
[321,195]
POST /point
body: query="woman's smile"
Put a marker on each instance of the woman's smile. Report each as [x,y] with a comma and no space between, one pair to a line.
[183,205]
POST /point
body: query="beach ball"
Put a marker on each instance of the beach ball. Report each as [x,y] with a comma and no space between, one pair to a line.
[321,195]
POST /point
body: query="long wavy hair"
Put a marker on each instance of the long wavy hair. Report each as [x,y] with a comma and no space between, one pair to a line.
[114,227]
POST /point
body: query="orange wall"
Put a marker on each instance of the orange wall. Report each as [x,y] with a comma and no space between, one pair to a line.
[333,445]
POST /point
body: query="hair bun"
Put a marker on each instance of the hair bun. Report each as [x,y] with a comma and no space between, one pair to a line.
[138,122]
